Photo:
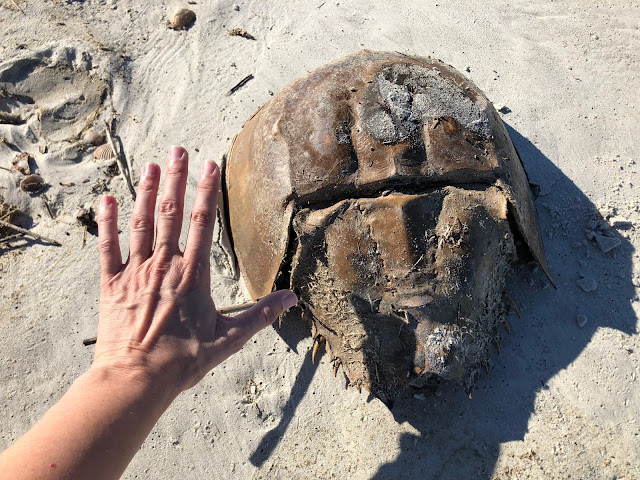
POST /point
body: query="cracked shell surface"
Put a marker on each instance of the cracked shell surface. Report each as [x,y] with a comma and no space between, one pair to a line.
[383,189]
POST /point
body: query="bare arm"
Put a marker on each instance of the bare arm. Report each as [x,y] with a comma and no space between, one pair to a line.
[158,334]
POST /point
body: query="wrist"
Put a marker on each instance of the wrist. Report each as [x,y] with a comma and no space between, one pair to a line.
[125,379]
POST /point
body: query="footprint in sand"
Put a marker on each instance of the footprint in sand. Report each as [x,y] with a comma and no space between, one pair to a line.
[49,98]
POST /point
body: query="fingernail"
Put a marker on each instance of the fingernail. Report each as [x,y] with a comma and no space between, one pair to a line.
[105,204]
[289,300]
[176,152]
[208,167]
[150,169]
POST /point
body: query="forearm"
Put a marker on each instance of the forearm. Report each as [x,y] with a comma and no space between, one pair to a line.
[92,432]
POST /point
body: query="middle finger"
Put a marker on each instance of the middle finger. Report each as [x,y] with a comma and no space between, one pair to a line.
[172,201]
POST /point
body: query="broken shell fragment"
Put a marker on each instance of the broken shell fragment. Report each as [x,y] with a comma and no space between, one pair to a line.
[182,19]
[91,137]
[21,163]
[104,152]
[32,183]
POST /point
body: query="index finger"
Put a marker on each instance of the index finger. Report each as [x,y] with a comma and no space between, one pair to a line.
[203,215]
[108,243]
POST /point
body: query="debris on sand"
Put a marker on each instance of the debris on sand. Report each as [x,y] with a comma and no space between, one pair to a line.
[606,244]
[32,183]
[91,137]
[240,32]
[182,19]
[581,320]
[104,152]
[21,163]
[588,284]
[87,217]
[239,85]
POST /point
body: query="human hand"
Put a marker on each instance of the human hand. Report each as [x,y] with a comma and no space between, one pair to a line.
[157,317]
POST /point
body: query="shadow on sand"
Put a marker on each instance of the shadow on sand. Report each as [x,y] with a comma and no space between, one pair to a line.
[460,437]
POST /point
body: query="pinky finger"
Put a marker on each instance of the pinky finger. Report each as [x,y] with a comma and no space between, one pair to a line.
[108,243]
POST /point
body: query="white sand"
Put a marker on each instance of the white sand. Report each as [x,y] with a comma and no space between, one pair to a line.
[560,400]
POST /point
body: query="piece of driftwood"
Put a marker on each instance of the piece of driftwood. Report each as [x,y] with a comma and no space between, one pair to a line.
[121,165]
[29,233]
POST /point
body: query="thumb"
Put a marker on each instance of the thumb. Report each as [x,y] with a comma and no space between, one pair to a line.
[264,313]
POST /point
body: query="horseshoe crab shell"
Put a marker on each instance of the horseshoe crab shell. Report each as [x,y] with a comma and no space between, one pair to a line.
[384,189]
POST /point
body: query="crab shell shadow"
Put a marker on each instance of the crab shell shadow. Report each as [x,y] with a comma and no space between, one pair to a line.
[460,437]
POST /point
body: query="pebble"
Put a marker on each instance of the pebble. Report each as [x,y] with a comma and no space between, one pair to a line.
[236,8]
[606,244]
[588,284]
[419,396]
[581,320]
[576,244]
[503,109]
[182,19]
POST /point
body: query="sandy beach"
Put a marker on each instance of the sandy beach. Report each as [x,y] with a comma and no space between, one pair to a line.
[561,399]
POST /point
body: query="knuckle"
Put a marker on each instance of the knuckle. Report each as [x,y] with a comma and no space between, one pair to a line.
[267,315]
[168,208]
[176,169]
[106,219]
[201,218]
[207,185]
[106,244]
[146,186]
[140,223]
[160,269]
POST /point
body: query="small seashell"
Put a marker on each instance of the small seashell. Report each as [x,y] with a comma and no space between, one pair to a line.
[92,137]
[182,19]
[103,152]
[21,163]
[32,183]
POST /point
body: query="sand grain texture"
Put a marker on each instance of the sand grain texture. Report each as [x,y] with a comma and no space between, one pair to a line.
[562,397]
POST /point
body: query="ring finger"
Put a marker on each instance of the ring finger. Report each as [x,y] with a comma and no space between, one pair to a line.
[142,218]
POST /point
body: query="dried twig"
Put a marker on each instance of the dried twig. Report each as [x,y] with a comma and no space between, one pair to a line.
[5,168]
[46,204]
[11,237]
[239,85]
[29,233]
[123,170]
[18,7]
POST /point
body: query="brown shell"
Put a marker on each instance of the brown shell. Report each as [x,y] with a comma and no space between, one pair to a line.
[32,183]
[381,188]
[103,152]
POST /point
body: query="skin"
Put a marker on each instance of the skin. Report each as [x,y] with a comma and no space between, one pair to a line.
[159,333]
